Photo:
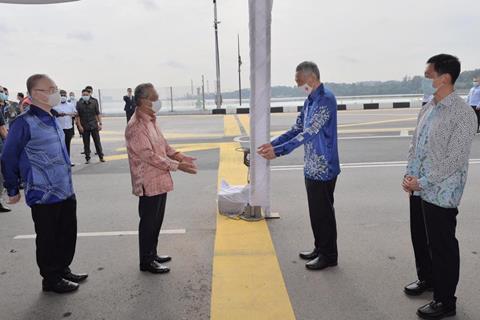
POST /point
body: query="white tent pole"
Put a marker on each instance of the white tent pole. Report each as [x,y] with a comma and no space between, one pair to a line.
[260,84]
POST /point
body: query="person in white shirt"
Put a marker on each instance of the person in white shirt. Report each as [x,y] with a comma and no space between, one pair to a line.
[66,111]
[474,98]
[72,100]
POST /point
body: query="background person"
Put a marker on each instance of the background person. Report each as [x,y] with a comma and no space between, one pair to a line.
[129,100]
[89,123]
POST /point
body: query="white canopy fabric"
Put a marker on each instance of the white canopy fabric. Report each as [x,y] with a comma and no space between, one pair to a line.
[260,47]
[35,1]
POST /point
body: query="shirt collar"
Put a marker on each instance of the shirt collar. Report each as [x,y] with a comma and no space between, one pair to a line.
[146,113]
[448,100]
[39,112]
[320,91]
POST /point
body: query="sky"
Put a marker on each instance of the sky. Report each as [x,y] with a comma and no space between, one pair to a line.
[121,43]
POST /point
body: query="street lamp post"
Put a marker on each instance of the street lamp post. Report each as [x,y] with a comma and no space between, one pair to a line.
[218,94]
[239,73]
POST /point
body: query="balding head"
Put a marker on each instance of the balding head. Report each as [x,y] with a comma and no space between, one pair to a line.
[41,87]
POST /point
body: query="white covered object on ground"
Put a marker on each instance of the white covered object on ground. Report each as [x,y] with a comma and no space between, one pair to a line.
[232,200]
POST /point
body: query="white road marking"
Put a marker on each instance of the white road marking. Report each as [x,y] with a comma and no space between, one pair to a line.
[107,234]
[359,165]
[373,137]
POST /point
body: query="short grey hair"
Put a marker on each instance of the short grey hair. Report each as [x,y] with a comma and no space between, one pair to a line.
[308,67]
[141,92]
[33,80]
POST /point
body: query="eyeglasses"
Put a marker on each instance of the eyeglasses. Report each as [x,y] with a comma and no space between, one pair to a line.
[49,91]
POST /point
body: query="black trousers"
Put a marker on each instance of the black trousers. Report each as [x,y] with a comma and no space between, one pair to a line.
[478,114]
[129,116]
[56,229]
[151,211]
[320,196]
[96,140]
[437,256]
[69,133]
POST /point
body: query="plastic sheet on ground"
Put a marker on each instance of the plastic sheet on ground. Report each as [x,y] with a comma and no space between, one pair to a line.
[232,200]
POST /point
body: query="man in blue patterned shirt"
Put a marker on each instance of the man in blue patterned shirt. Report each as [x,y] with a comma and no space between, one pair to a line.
[316,129]
[435,179]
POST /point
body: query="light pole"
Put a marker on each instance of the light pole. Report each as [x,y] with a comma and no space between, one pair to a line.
[218,94]
[239,72]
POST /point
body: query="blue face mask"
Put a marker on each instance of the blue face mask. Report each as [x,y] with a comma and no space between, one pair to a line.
[3,96]
[427,87]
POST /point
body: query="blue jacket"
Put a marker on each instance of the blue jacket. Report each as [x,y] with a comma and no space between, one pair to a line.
[316,129]
[35,153]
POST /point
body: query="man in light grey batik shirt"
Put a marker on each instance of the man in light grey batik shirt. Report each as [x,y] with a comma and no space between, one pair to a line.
[435,179]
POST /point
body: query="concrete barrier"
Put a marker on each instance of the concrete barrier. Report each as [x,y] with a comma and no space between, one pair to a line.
[219,111]
[288,109]
[371,106]
[397,105]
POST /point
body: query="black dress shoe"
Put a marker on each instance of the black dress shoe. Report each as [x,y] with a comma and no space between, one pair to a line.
[75,277]
[102,160]
[154,267]
[309,255]
[436,310]
[320,263]
[417,288]
[4,208]
[163,259]
[62,286]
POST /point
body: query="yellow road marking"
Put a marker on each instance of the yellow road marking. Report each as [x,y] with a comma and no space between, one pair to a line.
[182,147]
[102,139]
[116,157]
[245,121]
[173,135]
[230,126]
[247,281]
[112,132]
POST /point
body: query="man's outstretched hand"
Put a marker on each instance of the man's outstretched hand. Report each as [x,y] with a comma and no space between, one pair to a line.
[266,151]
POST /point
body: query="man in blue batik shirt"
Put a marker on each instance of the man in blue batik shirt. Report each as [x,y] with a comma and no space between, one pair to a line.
[316,129]
[35,154]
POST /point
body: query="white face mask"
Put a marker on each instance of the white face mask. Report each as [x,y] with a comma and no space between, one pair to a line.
[156,105]
[63,99]
[306,88]
[54,99]
[476,83]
